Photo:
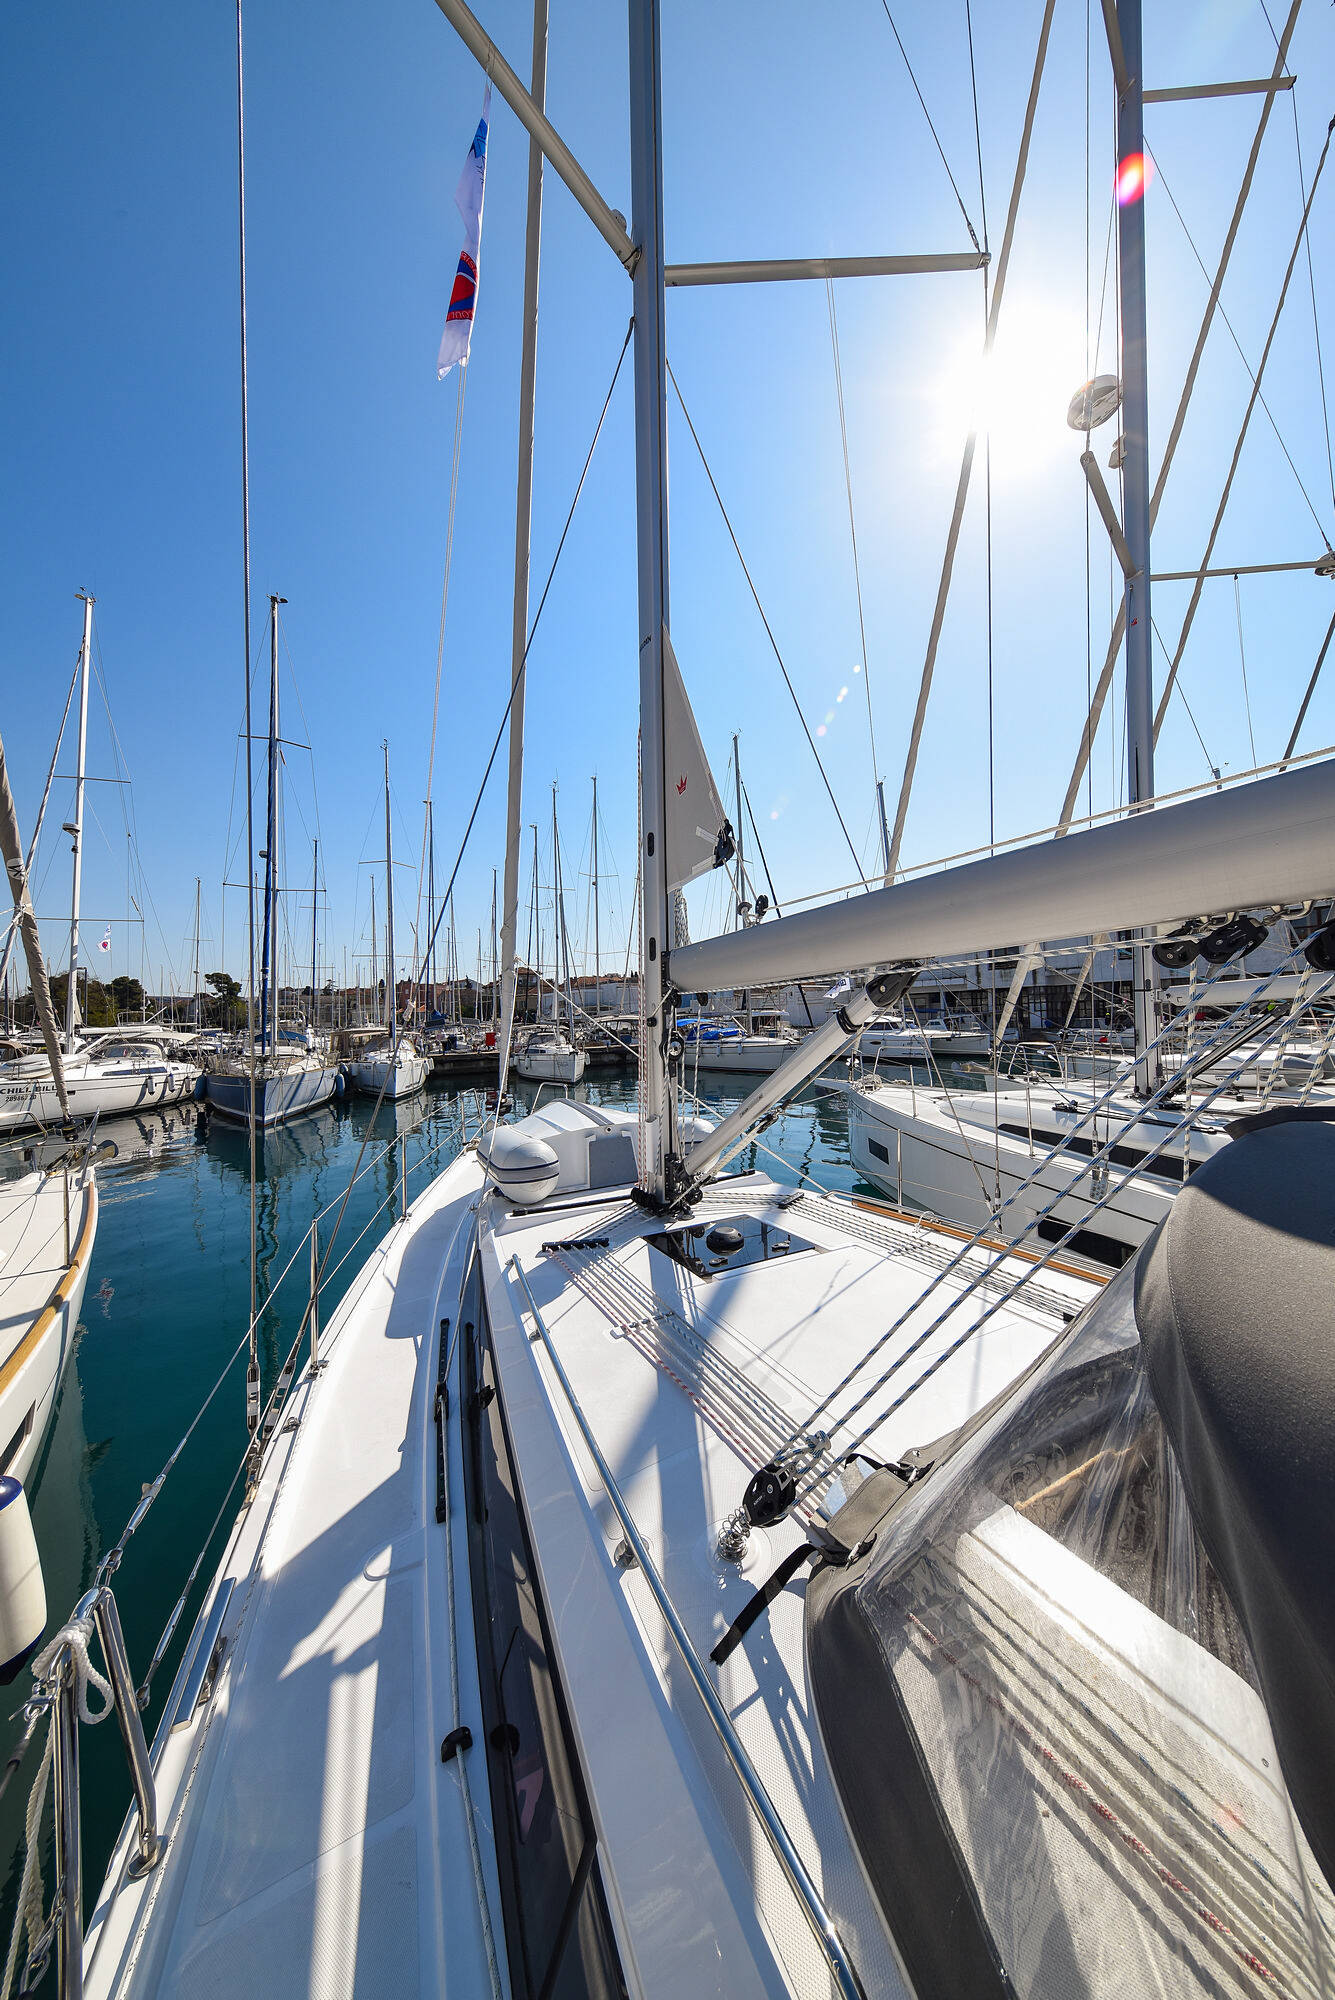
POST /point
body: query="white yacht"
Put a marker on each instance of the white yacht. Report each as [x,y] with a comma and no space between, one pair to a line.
[547,1055]
[119,1077]
[48,1225]
[896,1040]
[397,1067]
[958,1154]
[287,1072]
[725,1044]
[674,1584]
[397,1070]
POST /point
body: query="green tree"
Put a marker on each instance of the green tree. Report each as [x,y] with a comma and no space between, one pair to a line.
[226,993]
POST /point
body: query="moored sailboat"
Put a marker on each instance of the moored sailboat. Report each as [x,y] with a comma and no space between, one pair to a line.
[674,1583]
[272,1078]
[396,1068]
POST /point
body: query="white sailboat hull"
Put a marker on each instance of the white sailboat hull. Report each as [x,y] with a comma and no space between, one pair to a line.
[390,1076]
[550,1065]
[41,1293]
[32,1100]
[961,1170]
[748,1055]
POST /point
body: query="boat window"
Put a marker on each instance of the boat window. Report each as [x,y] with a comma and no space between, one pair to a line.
[1063,1676]
[24,1430]
[1164,1165]
[878,1151]
[558,1932]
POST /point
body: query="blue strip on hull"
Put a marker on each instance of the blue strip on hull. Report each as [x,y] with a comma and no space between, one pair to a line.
[277,1098]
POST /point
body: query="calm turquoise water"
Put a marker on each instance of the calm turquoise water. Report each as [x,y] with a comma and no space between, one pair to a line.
[167,1303]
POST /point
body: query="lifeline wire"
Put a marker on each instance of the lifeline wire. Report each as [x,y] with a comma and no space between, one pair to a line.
[1166,1089]
[1193,1114]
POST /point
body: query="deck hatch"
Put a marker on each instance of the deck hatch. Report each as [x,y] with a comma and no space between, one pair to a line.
[709,1249]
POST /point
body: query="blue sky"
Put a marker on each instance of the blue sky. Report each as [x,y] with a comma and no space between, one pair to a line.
[788,131]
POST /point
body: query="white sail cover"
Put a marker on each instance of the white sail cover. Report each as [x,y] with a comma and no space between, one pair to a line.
[698,835]
[1268,841]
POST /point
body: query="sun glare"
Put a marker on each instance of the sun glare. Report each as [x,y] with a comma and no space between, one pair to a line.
[1019,394]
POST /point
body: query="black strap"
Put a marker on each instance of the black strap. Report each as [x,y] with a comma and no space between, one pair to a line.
[762,1600]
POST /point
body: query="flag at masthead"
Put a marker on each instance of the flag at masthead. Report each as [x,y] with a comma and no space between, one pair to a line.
[463,299]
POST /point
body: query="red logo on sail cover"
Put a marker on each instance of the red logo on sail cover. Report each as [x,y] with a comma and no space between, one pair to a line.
[681,786]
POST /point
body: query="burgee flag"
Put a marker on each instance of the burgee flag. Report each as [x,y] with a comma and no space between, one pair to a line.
[463,299]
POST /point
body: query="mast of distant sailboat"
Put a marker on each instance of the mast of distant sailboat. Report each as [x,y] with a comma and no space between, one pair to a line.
[75,827]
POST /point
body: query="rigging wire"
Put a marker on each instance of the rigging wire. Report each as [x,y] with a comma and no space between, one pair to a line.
[518,679]
[444,604]
[769,630]
[1198,585]
[1250,371]
[852,526]
[930,126]
[1242,657]
[1210,763]
[1311,283]
[977,126]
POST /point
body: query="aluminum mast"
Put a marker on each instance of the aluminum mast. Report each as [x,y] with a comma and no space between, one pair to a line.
[646,176]
[523,520]
[1136,480]
[75,827]
[390,994]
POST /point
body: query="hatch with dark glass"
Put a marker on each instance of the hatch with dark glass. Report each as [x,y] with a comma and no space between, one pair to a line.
[729,1243]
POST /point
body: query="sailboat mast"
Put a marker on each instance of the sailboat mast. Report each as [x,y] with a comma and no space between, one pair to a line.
[1136,480]
[75,829]
[651,523]
[430,909]
[390,994]
[562,942]
[739,920]
[494,960]
[597,940]
[197,1005]
[885,827]
[269,949]
[315,906]
[375,955]
[523,523]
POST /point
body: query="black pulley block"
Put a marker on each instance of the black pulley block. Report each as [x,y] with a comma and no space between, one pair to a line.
[1232,940]
[1176,951]
[769,1496]
[1319,951]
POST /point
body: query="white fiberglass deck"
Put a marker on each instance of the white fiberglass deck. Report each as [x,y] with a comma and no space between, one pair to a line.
[318,1845]
[706,1904]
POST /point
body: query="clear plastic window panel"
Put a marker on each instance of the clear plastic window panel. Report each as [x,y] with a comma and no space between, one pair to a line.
[1084,1700]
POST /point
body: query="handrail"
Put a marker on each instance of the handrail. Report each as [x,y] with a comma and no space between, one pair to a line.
[808,1895]
[58,1693]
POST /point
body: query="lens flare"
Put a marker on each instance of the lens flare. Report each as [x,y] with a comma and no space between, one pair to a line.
[1133,177]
